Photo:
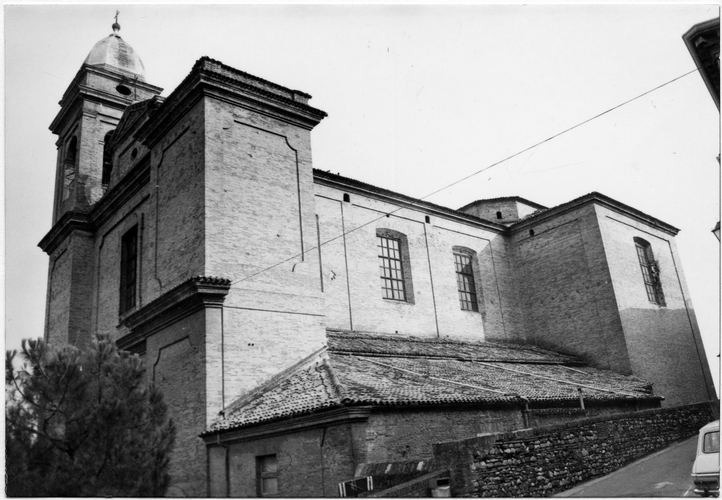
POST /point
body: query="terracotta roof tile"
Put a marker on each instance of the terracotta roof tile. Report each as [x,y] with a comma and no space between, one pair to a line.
[383,370]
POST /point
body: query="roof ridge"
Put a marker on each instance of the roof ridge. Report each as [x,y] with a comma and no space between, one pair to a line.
[340,389]
[341,334]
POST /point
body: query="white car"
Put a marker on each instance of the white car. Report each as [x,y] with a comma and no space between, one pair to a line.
[705,471]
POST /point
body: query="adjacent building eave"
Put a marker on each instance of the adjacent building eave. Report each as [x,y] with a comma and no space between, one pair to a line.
[286,425]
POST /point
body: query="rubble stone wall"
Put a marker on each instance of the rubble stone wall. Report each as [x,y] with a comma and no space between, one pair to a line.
[547,460]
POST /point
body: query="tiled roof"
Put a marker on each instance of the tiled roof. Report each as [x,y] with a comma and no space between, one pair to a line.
[393,371]
[350,342]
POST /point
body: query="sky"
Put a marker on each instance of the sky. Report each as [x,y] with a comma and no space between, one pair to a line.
[418,97]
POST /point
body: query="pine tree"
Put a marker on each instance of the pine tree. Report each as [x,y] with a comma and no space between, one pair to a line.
[83,422]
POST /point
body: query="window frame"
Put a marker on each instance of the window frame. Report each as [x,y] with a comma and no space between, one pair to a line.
[465,281]
[475,273]
[128,296]
[649,268]
[404,260]
[262,475]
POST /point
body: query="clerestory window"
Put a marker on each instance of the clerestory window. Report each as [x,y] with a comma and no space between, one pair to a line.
[465,282]
[394,265]
[392,268]
[650,271]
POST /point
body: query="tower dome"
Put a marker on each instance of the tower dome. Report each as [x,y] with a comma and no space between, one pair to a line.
[114,53]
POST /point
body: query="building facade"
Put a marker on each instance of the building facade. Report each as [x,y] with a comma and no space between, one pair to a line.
[196,230]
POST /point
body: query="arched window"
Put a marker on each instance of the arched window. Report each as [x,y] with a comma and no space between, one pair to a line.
[394,265]
[650,271]
[107,159]
[466,267]
[70,165]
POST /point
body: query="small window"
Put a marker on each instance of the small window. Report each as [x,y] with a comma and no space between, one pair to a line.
[346,197]
[465,282]
[267,472]
[107,159]
[498,215]
[650,271]
[711,442]
[392,268]
[128,269]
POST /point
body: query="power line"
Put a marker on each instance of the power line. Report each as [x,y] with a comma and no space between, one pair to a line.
[474,173]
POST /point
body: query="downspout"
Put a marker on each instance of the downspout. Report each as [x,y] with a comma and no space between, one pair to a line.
[525,412]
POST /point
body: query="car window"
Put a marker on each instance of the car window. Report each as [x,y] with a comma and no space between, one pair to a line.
[711,442]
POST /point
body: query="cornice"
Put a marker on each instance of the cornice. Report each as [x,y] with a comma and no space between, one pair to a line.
[68,222]
[194,294]
[353,186]
[599,199]
[118,195]
[346,414]
[109,204]
[213,79]
[74,94]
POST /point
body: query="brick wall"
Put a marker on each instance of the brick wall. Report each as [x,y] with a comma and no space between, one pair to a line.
[175,364]
[566,295]
[547,460]
[663,341]
[311,463]
[352,286]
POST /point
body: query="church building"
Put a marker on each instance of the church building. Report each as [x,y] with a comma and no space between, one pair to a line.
[303,325]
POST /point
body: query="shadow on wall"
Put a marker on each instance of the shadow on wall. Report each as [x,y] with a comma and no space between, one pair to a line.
[665,349]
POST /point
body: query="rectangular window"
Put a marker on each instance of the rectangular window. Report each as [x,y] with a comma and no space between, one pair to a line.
[128,269]
[391,267]
[267,472]
[465,282]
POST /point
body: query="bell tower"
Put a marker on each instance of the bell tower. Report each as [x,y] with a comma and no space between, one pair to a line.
[111,78]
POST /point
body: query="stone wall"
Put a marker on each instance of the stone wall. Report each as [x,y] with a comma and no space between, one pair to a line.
[547,460]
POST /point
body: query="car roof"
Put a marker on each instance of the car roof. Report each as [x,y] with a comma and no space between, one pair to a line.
[710,426]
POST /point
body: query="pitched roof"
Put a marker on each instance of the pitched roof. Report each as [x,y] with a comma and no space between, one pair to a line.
[371,344]
[394,371]
[328,177]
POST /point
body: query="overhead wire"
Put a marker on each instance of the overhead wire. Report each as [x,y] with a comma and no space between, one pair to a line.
[469,176]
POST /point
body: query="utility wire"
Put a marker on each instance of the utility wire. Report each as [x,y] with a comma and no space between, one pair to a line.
[472,174]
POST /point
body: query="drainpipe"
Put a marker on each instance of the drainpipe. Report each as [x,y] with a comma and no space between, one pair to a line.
[525,412]
[581,398]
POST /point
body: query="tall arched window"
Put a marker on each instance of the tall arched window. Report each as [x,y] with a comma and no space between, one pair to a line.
[107,159]
[650,271]
[466,271]
[70,164]
[394,265]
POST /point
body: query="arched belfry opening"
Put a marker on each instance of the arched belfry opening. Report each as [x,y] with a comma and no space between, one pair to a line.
[70,166]
[107,159]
